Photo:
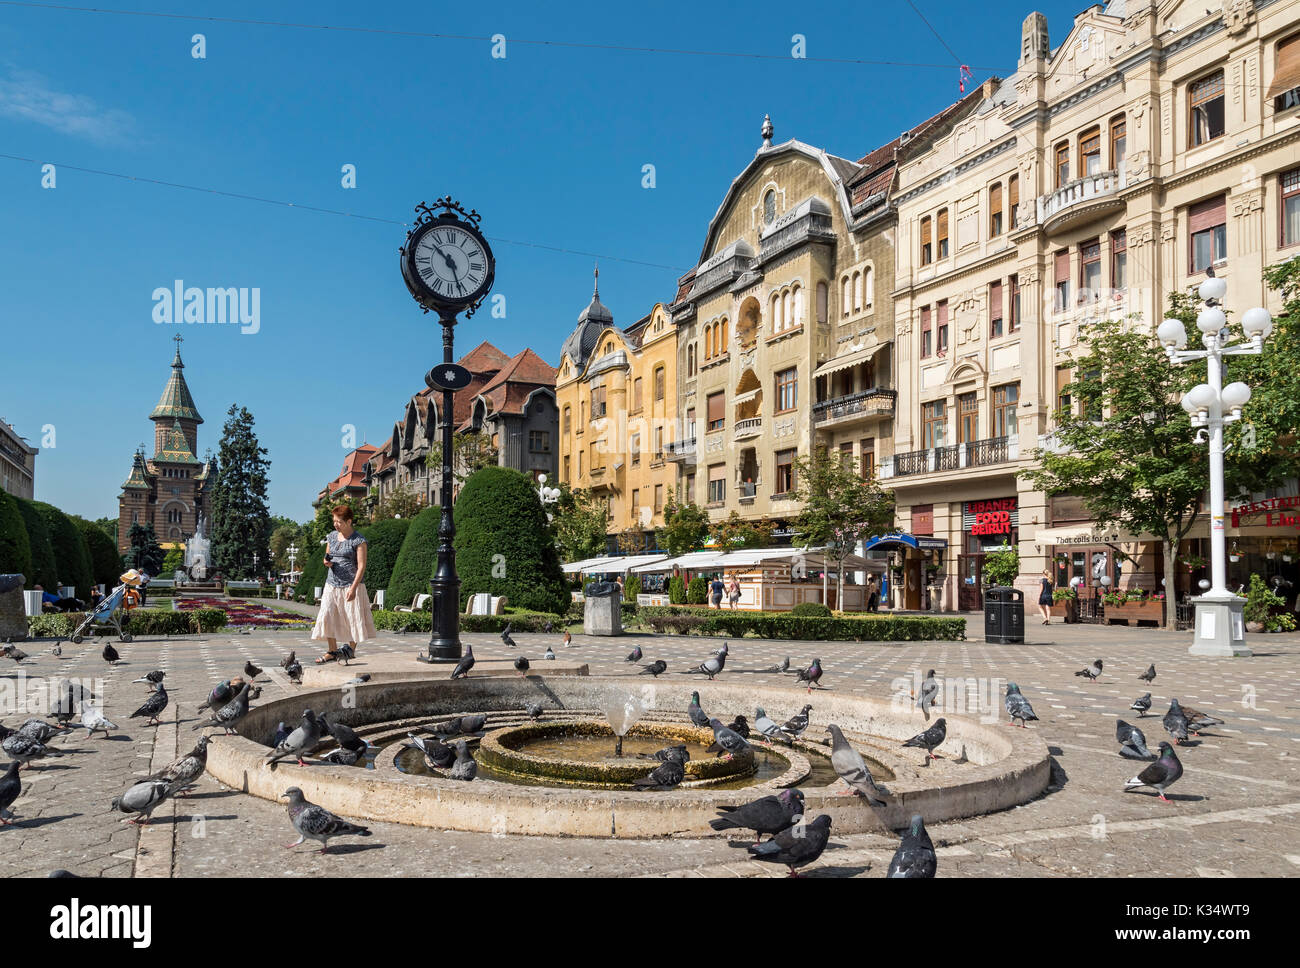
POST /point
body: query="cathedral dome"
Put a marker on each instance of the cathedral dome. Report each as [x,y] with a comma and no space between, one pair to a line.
[591,321]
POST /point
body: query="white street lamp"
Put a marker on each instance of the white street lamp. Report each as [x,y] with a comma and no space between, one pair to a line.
[1220,625]
[547,495]
[293,557]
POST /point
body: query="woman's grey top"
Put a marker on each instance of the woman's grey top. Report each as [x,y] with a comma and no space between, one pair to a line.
[343,552]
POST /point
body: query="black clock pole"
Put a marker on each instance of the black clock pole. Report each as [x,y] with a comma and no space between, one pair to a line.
[444,641]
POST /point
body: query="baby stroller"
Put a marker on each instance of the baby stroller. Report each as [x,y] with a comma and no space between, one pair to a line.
[109,613]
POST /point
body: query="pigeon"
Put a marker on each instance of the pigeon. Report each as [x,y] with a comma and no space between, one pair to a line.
[726,741]
[852,768]
[568,640]
[634,655]
[521,665]
[289,660]
[1131,741]
[466,767]
[154,677]
[281,734]
[301,739]
[10,787]
[678,753]
[153,706]
[1176,722]
[781,666]
[915,855]
[505,636]
[654,668]
[534,710]
[229,715]
[549,654]
[450,727]
[24,749]
[1150,675]
[929,690]
[1142,704]
[110,653]
[932,737]
[70,697]
[39,730]
[316,822]
[58,648]
[347,653]
[438,753]
[712,665]
[812,675]
[472,724]
[665,776]
[549,627]
[222,693]
[1017,706]
[1161,774]
[797,724]
[93,719]
[768,727]
[183,772]
[5,731]
[739,726]
[696,713]
[796,847]
[251,671]
[363,678]
[766,815]
[1197,720]
[294,671]
[1092,672]
[343,734]
[344,757]
[143,798]
[465,664]
[15,653]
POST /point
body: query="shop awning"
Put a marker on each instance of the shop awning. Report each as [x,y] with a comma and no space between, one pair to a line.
[575,567]
[1086,534]
[611,563]
[898,539]
[847,360]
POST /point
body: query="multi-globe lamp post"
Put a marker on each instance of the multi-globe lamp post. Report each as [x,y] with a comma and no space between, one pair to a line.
[1220,624]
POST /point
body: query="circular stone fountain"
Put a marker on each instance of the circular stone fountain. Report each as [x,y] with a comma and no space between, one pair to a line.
[535,780]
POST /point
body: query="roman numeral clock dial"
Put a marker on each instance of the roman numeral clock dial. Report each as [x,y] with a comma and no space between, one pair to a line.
[447,264]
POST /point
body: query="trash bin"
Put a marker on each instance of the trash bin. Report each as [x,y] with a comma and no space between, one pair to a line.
[1004,615]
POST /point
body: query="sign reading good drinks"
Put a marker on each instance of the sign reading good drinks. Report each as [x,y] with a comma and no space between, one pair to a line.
[997,516]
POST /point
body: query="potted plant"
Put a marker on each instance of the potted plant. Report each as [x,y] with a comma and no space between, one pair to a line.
[1258,610]
[1192,562]
[1065,604]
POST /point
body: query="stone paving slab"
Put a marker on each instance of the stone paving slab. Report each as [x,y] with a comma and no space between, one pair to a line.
[1236,810]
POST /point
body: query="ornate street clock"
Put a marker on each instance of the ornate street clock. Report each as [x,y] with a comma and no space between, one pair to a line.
[447,264]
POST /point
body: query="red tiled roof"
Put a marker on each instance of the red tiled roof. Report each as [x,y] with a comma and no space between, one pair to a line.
[484,358]
[508,391]
[351,475]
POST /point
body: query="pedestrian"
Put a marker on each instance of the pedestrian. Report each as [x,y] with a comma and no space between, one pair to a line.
[345,605]
[279,587]
[873,594]
[1045,596]
[715,587]
[733,593]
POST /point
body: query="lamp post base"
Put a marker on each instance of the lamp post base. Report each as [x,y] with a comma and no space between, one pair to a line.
[1220,627]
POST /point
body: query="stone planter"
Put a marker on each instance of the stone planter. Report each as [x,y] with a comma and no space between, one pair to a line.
[1134,612]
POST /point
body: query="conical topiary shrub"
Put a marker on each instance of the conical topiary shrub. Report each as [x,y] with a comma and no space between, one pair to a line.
[503,543]
[15,550]
[416,560]
[43,571]
[105,562]
[71,557]
[313,572]
[383,545]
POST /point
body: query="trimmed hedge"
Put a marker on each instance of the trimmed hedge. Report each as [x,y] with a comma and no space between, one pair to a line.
[71,558]
[631,589]
[811,610]
[504,545]
[785,625]
[416,560]
[141,621]
[43,571]
[422,621]
[677,590]
[105,562]
[697,592]
[383,545]
[313,571]
[15,549]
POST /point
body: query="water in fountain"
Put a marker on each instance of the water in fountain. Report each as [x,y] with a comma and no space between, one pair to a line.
[623,712]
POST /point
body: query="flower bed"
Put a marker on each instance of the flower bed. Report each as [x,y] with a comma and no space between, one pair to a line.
[244,614]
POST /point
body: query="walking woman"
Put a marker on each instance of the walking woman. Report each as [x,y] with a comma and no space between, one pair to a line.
[733,592]
[1045,597]
[344,606]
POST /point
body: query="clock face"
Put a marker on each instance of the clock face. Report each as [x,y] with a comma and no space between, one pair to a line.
[451,263]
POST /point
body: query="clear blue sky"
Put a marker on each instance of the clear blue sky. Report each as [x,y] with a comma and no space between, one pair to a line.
[547,143]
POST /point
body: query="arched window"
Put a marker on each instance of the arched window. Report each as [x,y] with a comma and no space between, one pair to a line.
[659,384]
[787,309]
[708,342]
[796,298]
[846,300]
[568,419]
[774,313]
[868,286]
[722,346]
[857,291]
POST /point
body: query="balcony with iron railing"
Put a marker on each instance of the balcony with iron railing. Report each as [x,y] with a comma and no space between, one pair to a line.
[682,450]
[876,402]
[1080,200]
[749,427]
[989,452]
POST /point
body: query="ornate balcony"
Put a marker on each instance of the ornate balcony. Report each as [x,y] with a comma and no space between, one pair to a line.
[1081,200]
[976,453]
[750,427]
[866,403]
[682,450]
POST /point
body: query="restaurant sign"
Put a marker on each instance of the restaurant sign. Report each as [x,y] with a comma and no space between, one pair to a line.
[1274,510]
[998,516]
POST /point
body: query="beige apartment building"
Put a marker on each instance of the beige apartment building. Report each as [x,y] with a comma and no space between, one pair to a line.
[17,463]
[1154,141]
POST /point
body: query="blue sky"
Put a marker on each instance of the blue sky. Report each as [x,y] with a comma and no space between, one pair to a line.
[547,143]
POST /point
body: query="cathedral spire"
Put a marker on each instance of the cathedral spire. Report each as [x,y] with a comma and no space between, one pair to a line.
[176,400]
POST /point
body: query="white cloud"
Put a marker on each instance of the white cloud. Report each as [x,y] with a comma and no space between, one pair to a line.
[28,96]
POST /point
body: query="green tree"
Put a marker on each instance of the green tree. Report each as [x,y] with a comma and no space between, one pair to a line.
[384,541]
[15,549]
[840,506]
[401,502]
[105,562]
[172,560]
[241,522]
[108,526]
[580,520]
[734,533]
[1001,566]
[1126,446]
[503,544]
[471,452]
[71,557]
[416,559]
[629,541]
[282,537]
[145,553]
[686,527]
[43,571]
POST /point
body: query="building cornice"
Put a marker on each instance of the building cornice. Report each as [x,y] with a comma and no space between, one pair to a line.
[951,173]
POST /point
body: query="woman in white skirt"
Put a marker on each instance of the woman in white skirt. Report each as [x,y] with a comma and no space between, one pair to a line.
[345,605]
